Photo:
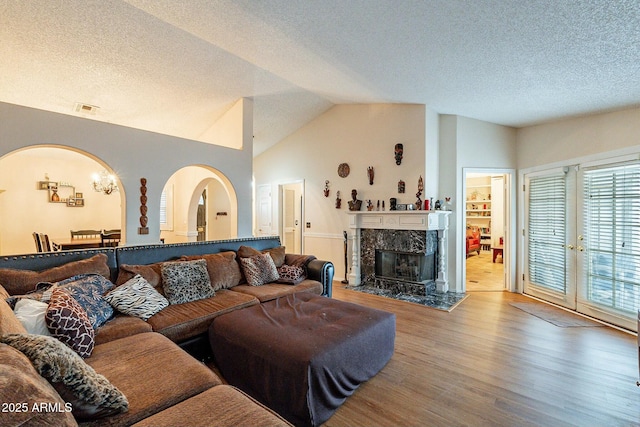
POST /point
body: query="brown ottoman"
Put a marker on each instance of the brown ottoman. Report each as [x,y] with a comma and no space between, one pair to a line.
[302,355]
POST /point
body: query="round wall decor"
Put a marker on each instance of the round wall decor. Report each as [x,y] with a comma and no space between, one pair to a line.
[343,170]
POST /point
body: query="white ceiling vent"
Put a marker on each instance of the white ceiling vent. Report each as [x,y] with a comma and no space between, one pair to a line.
[86,108]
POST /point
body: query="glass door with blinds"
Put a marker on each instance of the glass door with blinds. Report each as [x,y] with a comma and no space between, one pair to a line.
[549,232]
[582,239]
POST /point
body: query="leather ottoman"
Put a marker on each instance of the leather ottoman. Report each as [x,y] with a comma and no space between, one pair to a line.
[302,355]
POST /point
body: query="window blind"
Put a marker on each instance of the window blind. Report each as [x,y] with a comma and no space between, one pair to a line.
[163,208]
[547,232]
[611,208]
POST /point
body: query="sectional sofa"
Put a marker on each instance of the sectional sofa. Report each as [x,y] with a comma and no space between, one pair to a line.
[138,369]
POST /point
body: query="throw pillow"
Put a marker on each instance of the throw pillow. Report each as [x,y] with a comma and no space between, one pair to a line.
[137,298]
[88,289]
[290,275]
[223,269]
[9,323]
[31,314]
[277,253]
[19,282]
[259,269]
[68,322]
[151,273]
[185,281]
[90,394]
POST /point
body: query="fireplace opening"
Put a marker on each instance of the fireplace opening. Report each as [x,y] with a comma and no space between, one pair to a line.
[405,266]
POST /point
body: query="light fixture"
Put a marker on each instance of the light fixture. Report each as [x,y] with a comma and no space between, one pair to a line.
[104,182]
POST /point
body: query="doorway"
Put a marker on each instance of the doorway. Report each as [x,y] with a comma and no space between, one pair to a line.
[201,221]
[486,236]
[292,202]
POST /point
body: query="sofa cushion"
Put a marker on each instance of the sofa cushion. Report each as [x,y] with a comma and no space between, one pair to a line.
[185,281]
[272,291]
[259,269]
[290,274]
[31,314]
[238,409]
[90,394]
[143,367]
[68,322]
[151,273]
[184,321]
[22,281]
[137,298]
[22,385]
[277,253]
[224,271]
[120,326]
[88,289]
[9,323]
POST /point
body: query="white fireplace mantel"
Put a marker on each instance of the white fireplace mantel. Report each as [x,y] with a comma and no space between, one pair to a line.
[401,220]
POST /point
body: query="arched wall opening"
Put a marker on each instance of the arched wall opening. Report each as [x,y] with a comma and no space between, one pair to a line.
[26,204]
[182,195]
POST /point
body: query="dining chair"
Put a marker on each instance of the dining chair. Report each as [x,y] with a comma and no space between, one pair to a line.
[36,238]
[109,239]
[45,243]
[85,234]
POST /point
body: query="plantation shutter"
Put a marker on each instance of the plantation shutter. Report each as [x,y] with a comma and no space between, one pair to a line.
[547,232]
[611,210]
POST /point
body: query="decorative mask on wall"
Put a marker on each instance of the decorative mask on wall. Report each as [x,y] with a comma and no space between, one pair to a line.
[399,149]
[338,200]
[370,174]
[326,188]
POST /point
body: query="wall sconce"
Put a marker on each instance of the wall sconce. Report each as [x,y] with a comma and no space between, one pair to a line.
[104,182]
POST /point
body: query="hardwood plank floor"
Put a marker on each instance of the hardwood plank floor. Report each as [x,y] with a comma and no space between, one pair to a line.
[483,274]
[487,363]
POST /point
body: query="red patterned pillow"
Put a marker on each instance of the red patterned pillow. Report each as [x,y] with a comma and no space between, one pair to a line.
[68,322]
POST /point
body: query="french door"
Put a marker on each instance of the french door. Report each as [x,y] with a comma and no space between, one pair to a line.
[582,239]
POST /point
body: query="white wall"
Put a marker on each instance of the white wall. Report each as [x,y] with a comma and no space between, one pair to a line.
[25,209]
[577,138]
[134,154]
[468,143]
[362,136]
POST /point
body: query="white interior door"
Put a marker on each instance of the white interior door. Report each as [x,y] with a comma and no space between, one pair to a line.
[264,211]
[291,214]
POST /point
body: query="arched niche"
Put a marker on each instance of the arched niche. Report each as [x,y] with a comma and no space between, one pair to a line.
[26,208]
[183,192]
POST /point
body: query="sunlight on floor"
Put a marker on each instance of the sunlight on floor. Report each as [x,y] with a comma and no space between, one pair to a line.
[483,274]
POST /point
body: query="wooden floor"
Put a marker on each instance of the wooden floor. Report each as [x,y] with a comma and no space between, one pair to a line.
[483,274]
[487,363]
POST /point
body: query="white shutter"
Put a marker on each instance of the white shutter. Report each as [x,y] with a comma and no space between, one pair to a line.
[611,212]
[546,230]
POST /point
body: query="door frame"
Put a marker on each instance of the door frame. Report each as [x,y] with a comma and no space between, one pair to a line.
[509,251]
[301,186]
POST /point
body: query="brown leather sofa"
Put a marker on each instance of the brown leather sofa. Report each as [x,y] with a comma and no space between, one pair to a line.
[146,360]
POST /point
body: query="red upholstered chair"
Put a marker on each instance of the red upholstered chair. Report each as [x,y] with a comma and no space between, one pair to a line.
[473,239]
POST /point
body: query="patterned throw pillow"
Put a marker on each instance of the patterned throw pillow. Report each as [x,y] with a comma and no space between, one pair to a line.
[259,269]
[68,322]
[91,395]
[137,298]
[290,274]
[88,289]
[185,281]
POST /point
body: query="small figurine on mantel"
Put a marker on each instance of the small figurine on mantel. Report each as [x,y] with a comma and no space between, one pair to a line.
[437,206]
[419,193]
[354,203]
[378,207]
[369,205]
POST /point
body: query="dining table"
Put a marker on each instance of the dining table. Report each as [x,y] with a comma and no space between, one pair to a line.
[65,243]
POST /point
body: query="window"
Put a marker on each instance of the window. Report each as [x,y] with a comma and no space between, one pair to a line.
[612,236]
[166,208]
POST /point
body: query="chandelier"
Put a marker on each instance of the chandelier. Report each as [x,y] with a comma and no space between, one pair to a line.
[104,182]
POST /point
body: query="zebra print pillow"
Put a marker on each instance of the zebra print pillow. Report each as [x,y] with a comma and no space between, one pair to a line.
[136,297]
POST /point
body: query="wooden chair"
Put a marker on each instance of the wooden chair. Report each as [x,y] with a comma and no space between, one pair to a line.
[110,239]
[36,238]
[85,234]
[45,243]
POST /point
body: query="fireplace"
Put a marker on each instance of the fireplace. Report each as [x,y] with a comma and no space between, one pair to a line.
[405,266]
[412,245]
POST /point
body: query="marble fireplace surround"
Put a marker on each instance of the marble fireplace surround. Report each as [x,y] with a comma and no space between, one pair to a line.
[420,228]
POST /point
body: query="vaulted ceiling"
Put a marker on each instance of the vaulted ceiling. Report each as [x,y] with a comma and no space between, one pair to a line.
[175,67]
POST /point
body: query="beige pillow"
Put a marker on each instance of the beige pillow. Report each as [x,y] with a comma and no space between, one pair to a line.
[277,253]
[9,323]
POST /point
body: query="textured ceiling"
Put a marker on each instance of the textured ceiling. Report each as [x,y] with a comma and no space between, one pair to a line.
[175,67]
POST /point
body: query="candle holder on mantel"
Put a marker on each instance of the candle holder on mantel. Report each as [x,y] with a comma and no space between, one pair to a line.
[143,229]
